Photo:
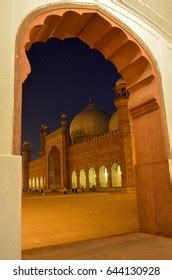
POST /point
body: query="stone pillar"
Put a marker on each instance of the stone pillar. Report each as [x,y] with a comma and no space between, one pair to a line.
[64,178]
[125,136]
[78,178]
[26,157]
[109,176]
[43,133]
[87,178]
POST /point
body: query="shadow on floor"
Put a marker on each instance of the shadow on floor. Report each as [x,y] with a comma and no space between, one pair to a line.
[137,246]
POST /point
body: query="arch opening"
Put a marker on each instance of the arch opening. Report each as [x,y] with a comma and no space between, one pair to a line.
[116,45]
[52,64]
[82,179]
[54,169]
[92,178]
[74,180]
[103,177]
[41,182]
[37,183]
[33,183]
[116,175]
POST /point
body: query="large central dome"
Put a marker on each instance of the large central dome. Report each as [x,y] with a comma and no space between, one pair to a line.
[89,123]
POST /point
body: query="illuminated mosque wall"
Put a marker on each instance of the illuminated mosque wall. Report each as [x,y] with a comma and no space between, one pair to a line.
[90,154]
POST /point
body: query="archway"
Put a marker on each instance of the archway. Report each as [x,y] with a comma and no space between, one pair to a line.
[54,169]
[136,65]
[116,175]
[37,183]
[74,179]
[33,183]
[82,179]
[41,182]
[92,177]
[103,177]
[113,41]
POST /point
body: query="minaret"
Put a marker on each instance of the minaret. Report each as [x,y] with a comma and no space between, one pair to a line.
[43,133]
[125,135]
[26,157]
[64,179]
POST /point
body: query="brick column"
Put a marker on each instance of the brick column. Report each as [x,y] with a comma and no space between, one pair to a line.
[26,157]
[125,137]
[109,176]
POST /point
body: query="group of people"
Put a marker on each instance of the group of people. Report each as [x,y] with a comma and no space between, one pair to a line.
[75,190]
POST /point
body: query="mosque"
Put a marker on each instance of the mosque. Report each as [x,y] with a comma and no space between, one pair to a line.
[96,152]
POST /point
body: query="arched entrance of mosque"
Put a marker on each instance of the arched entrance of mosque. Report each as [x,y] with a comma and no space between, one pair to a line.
[92,177]
[33,183]
[41,182]
[37,183]
[134,62]
[116,175]
[82,179]
[54,169]
[103,177]
[74,180]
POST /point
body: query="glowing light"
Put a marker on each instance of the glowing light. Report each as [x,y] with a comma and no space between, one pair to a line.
[106,173]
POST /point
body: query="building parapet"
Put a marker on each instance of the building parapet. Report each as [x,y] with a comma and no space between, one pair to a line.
[35,162]
[101,139]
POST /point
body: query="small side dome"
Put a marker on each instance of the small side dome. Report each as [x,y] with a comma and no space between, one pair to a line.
[89,123]
[113,123]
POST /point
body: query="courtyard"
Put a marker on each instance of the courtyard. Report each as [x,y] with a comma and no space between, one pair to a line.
[87,226]
[58,219]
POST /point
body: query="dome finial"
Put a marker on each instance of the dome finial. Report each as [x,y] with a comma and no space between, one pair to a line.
[91,97]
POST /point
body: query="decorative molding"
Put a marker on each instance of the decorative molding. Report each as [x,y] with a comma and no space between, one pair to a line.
[146,11]
[144,108]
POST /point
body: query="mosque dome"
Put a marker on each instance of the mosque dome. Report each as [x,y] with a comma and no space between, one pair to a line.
[89,123]
[113,123]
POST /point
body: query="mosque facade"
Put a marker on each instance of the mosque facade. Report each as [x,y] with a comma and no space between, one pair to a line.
[96,152]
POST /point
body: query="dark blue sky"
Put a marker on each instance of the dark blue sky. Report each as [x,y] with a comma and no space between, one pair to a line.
[63,73]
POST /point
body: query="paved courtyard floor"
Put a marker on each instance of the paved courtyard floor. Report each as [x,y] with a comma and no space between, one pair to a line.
[87,226]
[58,219]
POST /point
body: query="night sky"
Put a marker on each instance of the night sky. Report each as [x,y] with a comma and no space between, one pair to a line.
[63,74]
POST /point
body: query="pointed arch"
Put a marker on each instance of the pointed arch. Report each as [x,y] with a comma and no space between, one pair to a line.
[98,31]
[103,177]
[82,178]
[116,175]
[92,177]
[54,169]
[33,183]
[41,181]
[74,179]
[37,183]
